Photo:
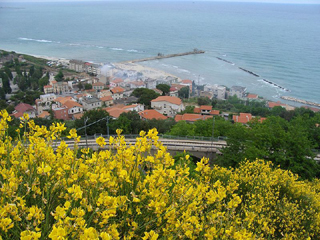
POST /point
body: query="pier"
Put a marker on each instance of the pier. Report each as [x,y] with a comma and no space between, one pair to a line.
[162,56]
[300,101]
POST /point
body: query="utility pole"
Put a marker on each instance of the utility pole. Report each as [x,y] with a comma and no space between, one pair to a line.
[108,126]
[212,135]
[85,129]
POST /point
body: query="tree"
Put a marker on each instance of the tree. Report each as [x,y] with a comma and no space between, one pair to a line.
[87,86]
[145,95]
[184,92]
[93,116]
[8,72]
[59,77]
[2,94]
[165,88]
[204,101]
[182,128]
[80,85]
[5,82]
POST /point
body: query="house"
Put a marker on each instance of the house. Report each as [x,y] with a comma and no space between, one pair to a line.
[91,103]
[107,101]
[22,108]
[238,91]
[219,92]
[187,82]
[92,68]
[104,93]
[118,82]
[151,114]
[44,102]
[134,107]
[98,86]
[251,96]
[242,118]
[151,83]
[60,87]
[61,113]
[73,108]
[117,93]
[167,105]
[206,94]
[190,117]
[45,115]
[245,118]
[48,89]
[137,84]
[76,65]
[206,110]
[60,101]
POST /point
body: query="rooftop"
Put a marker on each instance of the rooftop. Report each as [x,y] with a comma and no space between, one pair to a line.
[152,114]
[173,100]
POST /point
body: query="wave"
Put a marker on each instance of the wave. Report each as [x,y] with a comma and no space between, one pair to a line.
[132,50]
[35,40]
[117,49]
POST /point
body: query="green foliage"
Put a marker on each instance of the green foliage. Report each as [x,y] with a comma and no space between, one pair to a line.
[87,86]
[165,88]
[145,95]
[285,144]
[204,101]
[188,109]
[184,92]
[26,97]
[93,116]
[59,77]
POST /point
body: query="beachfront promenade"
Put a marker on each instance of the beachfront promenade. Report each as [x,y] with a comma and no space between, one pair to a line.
[161,56]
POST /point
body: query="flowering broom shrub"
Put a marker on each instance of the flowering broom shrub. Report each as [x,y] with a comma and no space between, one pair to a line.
[124,192]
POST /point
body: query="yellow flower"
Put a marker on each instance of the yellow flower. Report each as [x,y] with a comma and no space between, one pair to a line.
[150,235]
[30,235]
[101,141]
[58,233]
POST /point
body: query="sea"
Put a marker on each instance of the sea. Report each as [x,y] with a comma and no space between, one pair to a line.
[278,42]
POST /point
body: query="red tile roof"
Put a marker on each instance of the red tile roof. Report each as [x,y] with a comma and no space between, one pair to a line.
[44,114]
[173,100]
[214,112]
[205,107]
[275,104]
[186,81]
[242,118]
[115,112]
[47,86]
[152,114]
[70,104]
[190,117]
[252,96]
[117,80]
[106,98]
[197,110]
[117,90]
[23,107]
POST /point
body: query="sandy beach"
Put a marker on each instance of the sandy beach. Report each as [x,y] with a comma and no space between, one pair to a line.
[146,71]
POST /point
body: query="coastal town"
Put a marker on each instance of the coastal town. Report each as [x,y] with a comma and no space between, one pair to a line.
[74,87]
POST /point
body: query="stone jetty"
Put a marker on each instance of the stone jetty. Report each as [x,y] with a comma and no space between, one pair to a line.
[300,101]
[161,56]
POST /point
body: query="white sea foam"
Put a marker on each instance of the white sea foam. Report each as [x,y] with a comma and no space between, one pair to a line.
[36,40]
[132,50]
[117,49]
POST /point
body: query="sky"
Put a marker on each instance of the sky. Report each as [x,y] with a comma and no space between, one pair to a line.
[262,1]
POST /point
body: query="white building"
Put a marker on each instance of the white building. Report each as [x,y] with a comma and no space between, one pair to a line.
[167,105]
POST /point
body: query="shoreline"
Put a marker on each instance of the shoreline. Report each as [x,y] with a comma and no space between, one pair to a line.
[151,72]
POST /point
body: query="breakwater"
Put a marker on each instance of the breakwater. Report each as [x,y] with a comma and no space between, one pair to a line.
[276,85]
[300,101]
[161,56]
[255,74]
